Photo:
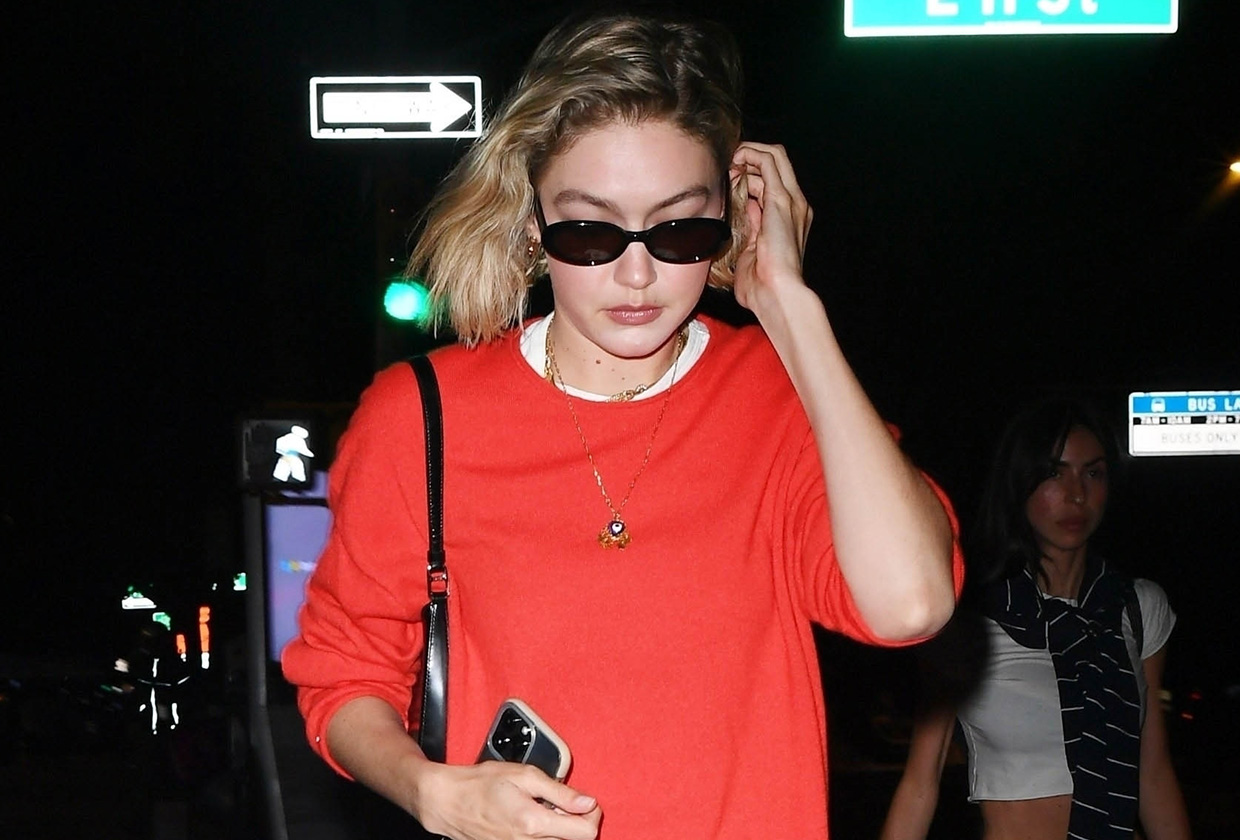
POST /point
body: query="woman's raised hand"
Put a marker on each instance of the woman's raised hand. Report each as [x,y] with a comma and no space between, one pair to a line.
[779,218]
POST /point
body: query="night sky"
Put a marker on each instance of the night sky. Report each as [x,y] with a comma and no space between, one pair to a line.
[996,220]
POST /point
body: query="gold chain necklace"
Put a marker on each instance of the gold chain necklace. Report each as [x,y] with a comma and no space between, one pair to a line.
[682,338]
[615,533]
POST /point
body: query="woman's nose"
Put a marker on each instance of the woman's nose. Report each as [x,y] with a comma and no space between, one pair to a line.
[1075,489]
[636,267]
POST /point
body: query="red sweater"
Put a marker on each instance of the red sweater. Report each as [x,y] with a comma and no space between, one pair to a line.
[682,670]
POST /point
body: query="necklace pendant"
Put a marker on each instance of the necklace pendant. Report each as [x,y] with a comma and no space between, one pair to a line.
[614,535]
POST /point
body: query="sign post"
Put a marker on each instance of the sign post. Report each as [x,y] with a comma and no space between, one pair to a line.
[395,107]
[1184,423]
[902,18]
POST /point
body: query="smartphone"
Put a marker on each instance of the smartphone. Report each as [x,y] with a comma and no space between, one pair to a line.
[519,735]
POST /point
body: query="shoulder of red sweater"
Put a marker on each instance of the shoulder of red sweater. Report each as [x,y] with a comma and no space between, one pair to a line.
[743,346]
[397,379]
[726,333]
[451,359]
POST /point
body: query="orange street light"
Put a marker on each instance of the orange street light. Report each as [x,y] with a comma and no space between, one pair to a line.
[1228,185]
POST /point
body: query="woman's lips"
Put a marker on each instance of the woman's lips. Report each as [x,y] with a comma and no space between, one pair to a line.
[1073,523]
[633,316]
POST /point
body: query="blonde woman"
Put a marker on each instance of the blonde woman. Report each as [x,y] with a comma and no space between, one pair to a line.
[637,519]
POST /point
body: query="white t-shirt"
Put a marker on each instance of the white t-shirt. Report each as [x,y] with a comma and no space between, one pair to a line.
[534,350]
[1011,718]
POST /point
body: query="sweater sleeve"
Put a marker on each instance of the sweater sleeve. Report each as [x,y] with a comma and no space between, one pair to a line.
[360,625]
[817,574]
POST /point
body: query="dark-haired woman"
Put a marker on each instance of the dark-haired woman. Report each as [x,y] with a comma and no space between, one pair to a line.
[1055,673]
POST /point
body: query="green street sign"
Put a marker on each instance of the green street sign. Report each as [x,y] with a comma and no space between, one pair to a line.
[903,18]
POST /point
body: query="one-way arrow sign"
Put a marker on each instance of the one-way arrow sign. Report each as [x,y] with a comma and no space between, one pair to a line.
[395,107]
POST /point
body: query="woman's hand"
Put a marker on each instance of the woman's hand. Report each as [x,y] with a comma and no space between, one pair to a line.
[492,800]
[779,219]
[495,799]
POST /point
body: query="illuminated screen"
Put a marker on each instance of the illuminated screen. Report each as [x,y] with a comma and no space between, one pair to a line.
[296,535]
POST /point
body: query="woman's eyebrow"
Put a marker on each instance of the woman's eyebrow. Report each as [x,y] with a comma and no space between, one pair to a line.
[572,195]
[1101,459]
[696,191]
[575,196]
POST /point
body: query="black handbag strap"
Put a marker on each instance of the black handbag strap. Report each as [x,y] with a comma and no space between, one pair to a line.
[433,727]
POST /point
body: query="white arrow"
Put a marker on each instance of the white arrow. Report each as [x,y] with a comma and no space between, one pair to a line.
[438,106]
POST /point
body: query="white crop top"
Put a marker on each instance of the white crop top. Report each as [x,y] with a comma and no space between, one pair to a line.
[1011,720]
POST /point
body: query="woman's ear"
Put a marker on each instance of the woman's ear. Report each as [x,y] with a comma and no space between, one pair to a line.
[531,222]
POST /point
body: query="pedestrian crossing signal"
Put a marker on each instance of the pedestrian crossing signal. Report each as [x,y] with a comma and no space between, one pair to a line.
[278,453]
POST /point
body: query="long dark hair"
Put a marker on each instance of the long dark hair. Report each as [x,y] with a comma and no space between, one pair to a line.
[1002,543]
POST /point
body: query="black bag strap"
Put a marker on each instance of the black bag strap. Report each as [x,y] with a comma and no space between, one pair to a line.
[433,727]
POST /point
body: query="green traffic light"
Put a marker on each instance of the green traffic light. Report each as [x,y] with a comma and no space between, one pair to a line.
[407,300]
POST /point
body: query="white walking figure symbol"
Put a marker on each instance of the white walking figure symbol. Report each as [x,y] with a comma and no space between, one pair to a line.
[292,448]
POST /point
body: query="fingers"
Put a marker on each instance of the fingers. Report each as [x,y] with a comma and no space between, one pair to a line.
[495,799]
[766,159]
[563,812]
[771,181]
[556,794]
[572,803]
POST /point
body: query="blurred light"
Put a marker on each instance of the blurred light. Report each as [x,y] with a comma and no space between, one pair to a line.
[239,582]
[407,300]
[135,600]
[1226,189]
[204,635]
[182,646]
[162,618]
[154,704]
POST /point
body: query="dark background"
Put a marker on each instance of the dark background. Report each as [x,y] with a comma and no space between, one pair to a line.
[997,220]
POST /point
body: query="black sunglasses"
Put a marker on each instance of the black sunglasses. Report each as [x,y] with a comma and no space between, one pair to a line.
[679,241]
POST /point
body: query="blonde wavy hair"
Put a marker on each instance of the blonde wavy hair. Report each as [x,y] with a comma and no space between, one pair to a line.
[474,251]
